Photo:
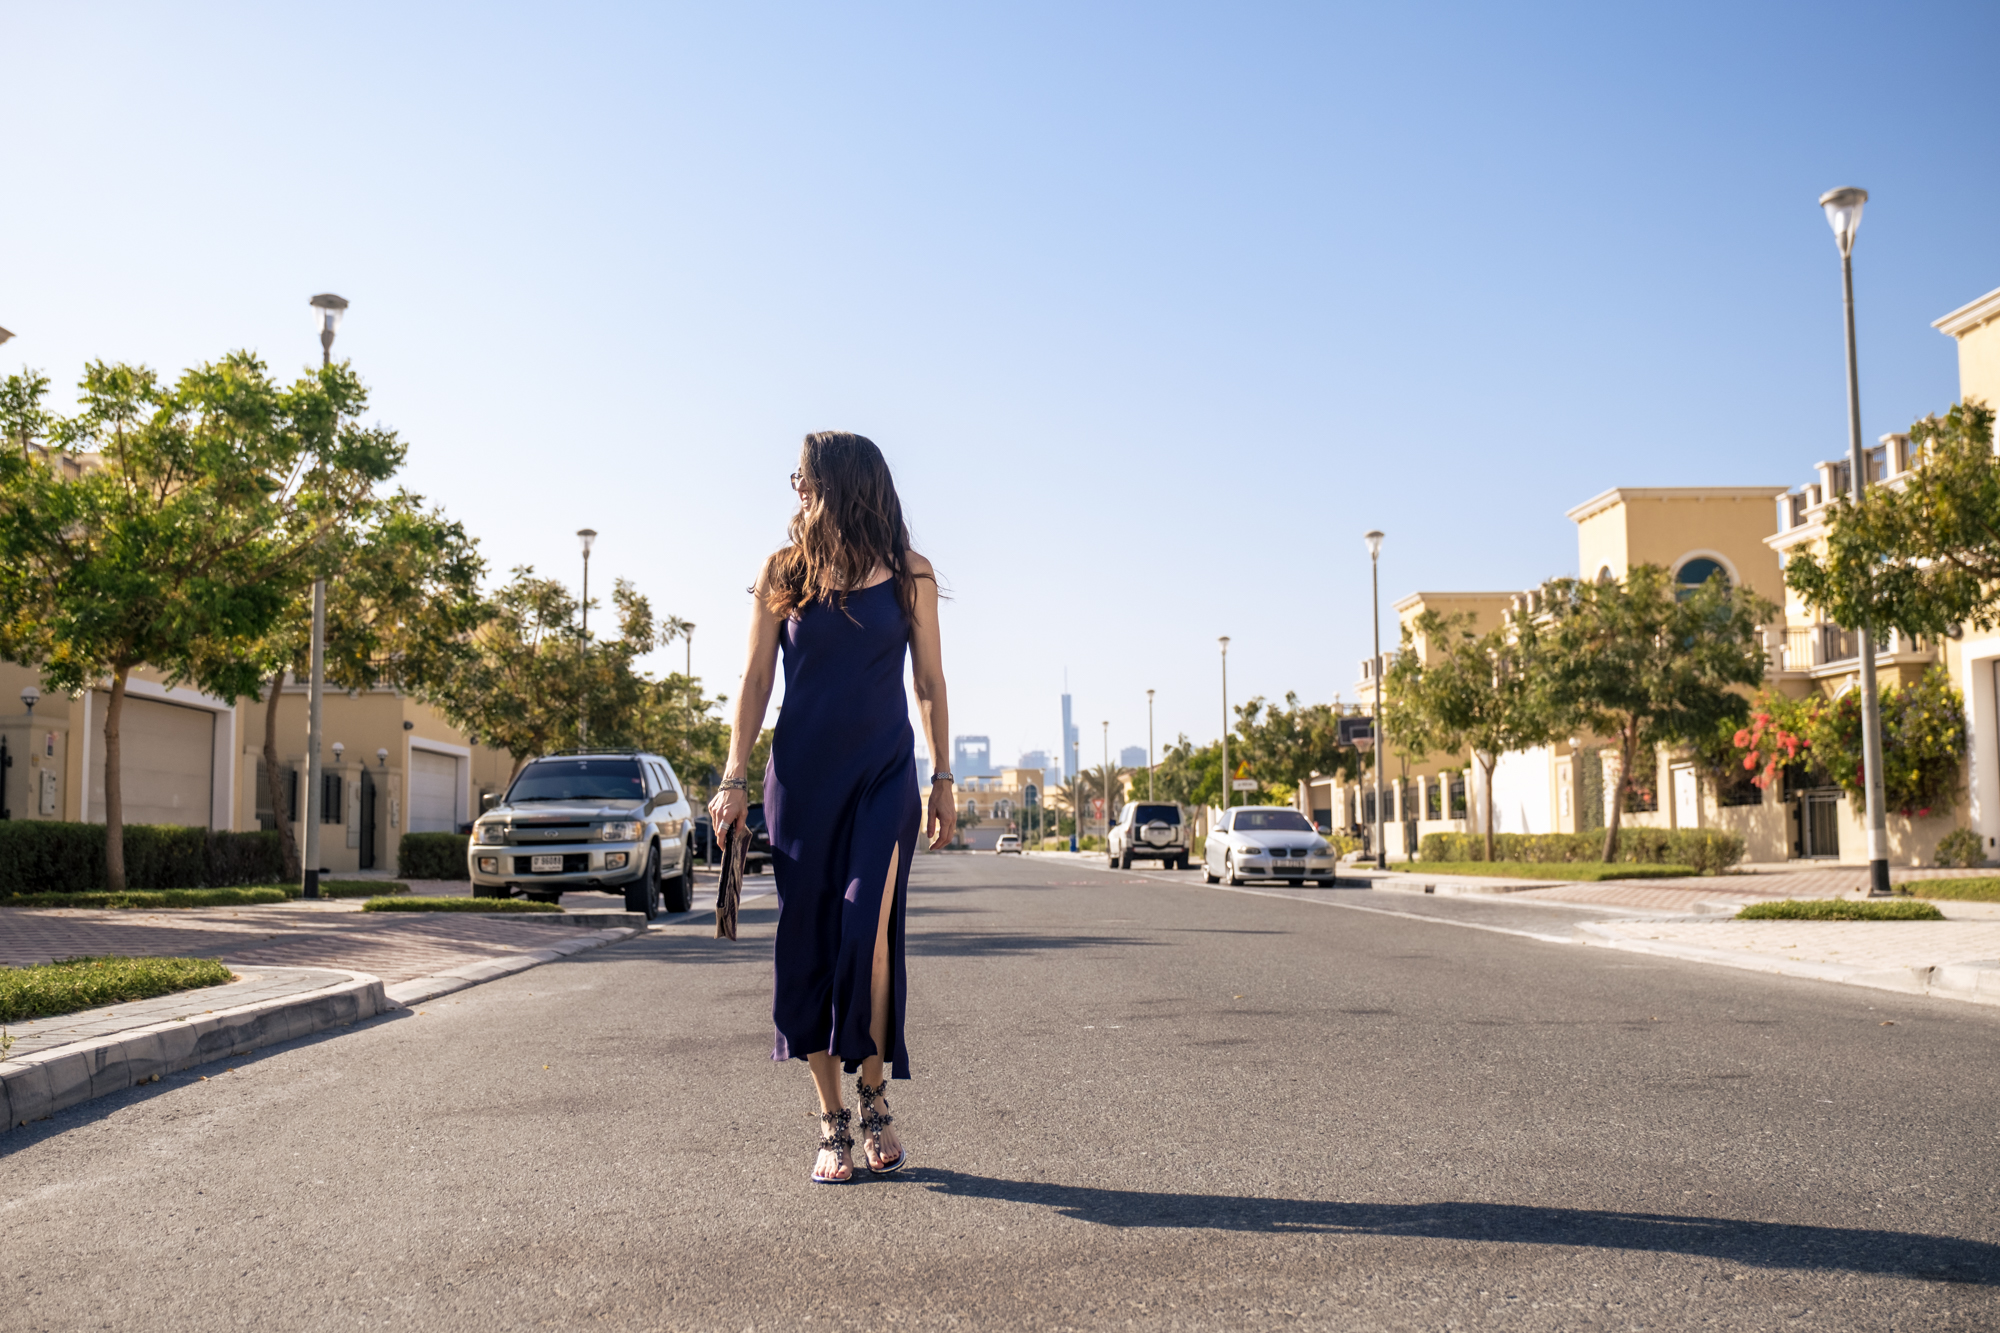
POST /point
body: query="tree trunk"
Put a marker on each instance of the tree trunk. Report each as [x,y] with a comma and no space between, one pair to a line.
[1486,766]
[114,787]
[1617,794]
[277,791]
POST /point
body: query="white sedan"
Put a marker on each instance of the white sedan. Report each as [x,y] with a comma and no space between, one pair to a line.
[1267,842]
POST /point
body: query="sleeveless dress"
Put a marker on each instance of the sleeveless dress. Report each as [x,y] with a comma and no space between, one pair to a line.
[840,793]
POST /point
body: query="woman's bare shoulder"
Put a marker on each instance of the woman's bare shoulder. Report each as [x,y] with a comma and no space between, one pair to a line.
[919,565]
[768,571]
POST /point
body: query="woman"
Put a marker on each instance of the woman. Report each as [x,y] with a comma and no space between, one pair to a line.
[843,601]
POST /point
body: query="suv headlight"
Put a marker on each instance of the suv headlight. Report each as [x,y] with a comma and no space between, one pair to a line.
[488,835]
[620,830]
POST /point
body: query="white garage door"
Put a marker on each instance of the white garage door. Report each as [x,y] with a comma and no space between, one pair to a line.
[433,792]
[168,761]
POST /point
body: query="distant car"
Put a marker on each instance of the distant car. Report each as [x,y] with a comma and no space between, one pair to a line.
[616,821]
[703,835]
[757,857]
[1009,842]
[1149,831]
[1267,842]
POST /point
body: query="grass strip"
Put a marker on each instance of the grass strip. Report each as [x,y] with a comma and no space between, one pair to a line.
[1839,909]
[1589,871]
[456,905]
[1953,890]
[151,898]
[70,984]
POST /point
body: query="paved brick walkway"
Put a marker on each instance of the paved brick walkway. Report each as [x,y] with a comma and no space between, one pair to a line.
[393,946]
[1861,944]
[1755,885]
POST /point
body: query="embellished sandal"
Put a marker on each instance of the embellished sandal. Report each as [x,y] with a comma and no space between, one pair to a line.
[835,1139]
[873,1122]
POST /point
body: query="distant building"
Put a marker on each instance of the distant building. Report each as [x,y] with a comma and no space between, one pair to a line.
[923,772]
[1067,759]
[1034,759]
[1132,756]
[971,756]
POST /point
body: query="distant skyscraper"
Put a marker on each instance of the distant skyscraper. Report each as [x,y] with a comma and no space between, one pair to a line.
[1035,759]
[1069,756]
[971,756]
[923,771]
[1132,756]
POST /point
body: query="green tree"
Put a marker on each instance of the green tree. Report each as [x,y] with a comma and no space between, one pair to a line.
[1632,660]
[1922,556]
[1189,775]
[1285,746]
[1479,693]
[171,525]
[402,595]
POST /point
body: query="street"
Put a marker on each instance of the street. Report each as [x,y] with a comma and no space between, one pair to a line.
[1139,1102]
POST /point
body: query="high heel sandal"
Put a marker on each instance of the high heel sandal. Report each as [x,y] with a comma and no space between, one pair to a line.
[835,1139]
[873,1122]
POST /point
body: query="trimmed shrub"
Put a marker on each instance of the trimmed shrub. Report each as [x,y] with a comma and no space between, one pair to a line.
[1961,847]
[432,856]
[456,905]
[1953,890]
[50,856]
[1591,871]
[70,984]
[1839,909]
[1708,851]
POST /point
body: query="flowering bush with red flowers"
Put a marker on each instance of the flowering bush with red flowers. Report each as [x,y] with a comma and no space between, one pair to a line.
[1773,738]
[1923,742]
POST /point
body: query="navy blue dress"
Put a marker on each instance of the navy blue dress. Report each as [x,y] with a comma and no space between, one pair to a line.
[840,794]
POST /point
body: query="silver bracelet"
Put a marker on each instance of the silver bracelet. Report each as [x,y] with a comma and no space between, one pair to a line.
[735,784]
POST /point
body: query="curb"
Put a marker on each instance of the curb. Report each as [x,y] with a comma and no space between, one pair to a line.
[419,989]
[1973,983]
[35,1087]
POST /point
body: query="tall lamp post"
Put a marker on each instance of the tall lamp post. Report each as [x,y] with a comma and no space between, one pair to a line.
[1076,815]
[1149,745]
[1226,790]
[1843,214]
[585,536]
[328,310]
[1109,778]
[1374,540]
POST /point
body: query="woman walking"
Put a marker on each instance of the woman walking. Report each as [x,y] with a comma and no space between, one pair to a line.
[843,601]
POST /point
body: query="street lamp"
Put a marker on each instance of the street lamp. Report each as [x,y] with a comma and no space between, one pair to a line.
[1109,778]
[1149,745]
[585,536]
[1076,815]
[1226,790]
[328,310]
[1843,214]
[1374,540]
[31,696]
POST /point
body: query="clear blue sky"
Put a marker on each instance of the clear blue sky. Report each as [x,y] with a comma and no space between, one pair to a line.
[1155,308]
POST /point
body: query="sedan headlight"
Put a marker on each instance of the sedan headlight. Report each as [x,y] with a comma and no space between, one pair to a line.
[1252,849]
[1322,848]
[490,834]
[620,830]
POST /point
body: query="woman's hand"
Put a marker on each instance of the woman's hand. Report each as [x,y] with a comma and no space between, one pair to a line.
[727,809]
[942,822]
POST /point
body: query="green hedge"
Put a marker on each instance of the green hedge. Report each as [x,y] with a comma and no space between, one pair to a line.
[156,899]
[1839,909]
[1709,851]
[49,856]
[1589,871]
[432,856]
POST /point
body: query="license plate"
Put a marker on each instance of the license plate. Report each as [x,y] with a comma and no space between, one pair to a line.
[544,865]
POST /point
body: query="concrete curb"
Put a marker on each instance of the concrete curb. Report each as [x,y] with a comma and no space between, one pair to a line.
[1974,983]
[419,989]
[35,1087]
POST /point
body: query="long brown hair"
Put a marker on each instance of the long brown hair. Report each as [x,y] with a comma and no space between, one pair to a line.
[854,523]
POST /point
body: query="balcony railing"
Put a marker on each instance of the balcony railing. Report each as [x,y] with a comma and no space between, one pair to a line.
[1809,647]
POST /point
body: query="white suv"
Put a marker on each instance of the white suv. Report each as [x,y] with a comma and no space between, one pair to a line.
[1149,831]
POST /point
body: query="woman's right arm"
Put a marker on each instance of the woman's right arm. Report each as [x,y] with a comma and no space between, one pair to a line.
[730,806]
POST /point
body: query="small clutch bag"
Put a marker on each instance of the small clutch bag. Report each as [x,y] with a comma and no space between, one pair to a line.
[730,891]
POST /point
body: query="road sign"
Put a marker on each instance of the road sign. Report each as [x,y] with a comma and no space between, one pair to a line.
[1243,784]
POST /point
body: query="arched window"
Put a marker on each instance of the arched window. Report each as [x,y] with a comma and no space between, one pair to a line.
[1697,572]
[1604,575]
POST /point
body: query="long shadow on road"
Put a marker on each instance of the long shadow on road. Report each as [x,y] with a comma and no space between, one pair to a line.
[1759,1244]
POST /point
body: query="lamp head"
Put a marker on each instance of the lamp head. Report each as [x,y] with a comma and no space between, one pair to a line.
[1843,214]
[1224,641]
[31,696]
[586,536]
[338,750]
[382,756]
[1374,540]
[328,310]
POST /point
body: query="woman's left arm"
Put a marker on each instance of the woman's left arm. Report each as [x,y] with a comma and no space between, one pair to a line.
[927,676]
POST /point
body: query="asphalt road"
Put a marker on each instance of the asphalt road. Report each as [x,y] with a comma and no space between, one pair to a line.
[1139,1104]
